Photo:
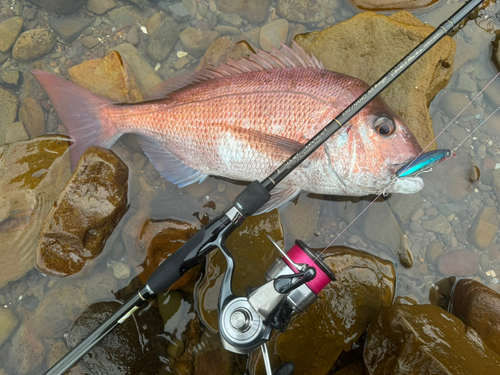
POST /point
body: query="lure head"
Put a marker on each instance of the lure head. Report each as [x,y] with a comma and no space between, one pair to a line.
[424,163]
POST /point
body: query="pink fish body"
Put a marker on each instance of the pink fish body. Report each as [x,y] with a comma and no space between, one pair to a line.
[242,120]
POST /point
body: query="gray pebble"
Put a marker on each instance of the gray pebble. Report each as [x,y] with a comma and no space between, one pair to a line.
[484,260]
[416,227]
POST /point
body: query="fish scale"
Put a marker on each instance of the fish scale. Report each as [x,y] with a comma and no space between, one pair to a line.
[241,124]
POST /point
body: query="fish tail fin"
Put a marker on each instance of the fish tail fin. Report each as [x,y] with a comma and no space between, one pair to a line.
[81,113]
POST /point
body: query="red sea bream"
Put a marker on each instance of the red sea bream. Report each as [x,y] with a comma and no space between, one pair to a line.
[243,119]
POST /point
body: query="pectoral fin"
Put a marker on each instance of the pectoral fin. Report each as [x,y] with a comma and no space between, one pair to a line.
[279,196]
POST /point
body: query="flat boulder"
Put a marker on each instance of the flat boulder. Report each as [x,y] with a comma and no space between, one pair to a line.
[379,42]
[435,342]
[32,174]
[110,77]
[478,307]
[85,214]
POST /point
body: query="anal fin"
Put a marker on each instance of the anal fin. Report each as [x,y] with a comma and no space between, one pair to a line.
[169,165]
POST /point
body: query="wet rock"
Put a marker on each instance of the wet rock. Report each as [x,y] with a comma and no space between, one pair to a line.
[300,219]
[435,342]
[227,30]
[153,23]
[387,231]
[163,40]
[13,132]
[8,107]
[306,11]
[404,206]
[129,15]
[434,250]
[9,31]
[133,35]
[451,180]
[32,174]
[212,358]
[140,67]
[33,44]
[169,303]
[158,241]
[179,12]
[70,28]
[453,102]
[123,351]
[364,285]
[11,78]
[90,41]
[229,20]
[379,5]
[100,6]
[221,50]
[341,46]
[57,351]
[253,254]
[478,307]
[26,352]
[273,34]
[8,324]
[60,6]
[439,225]
[85,214]
[196,42]
[32,116]
[458,263]
[63,303]
[484,228]
[254,11]
[4,56]
[110,77]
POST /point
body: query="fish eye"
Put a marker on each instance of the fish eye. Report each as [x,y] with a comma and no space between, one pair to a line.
[384,126]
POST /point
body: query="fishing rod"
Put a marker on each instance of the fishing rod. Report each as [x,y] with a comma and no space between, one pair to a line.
[293,282]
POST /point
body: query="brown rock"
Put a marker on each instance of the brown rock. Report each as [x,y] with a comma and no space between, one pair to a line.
[196,42]
[159,240]
[484,228]
[110,77]
[26,352]
[9,30]
[221,50]
[8,107]
[364,285]
[32,116]
[273,34]
[254,11]
[32,174]
[33,44]
[60,6]
[85,214]
[211,358]
[425,339]
[378,41]
[90,41]
[478,306]
[249,245]
[378,5]
[306,11]
[458,263]
[100,6]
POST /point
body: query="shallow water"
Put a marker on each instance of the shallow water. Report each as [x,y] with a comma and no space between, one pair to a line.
[164,200]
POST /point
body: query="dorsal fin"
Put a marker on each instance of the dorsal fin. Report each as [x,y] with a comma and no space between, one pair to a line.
[285,57]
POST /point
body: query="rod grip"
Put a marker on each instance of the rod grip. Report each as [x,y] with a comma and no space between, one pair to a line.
[171,269]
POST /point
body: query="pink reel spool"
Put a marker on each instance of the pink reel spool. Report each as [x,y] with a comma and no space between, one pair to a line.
[301,254]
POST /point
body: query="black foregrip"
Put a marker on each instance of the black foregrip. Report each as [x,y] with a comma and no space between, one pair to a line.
[171,269]
[252,198]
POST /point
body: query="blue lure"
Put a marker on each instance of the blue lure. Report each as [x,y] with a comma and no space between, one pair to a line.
[424,163]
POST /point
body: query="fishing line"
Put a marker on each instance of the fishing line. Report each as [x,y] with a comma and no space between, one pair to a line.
[393,180]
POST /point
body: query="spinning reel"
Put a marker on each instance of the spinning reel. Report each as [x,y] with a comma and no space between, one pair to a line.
[293,284]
